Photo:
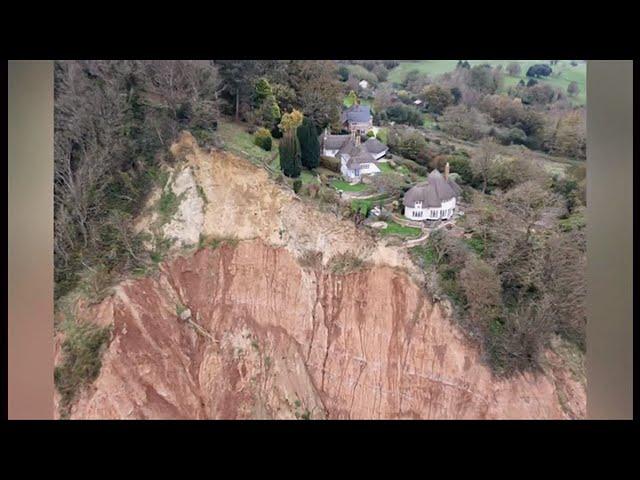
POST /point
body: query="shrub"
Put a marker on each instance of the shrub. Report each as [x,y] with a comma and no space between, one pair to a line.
[297,185]
[330,163]
[82,350]
[461,165]
[168,205]
[404,114]
[310,259]
[262,139]
[370,134]
[328,195]
[343,73]
[344,263]
[539,70]
[412,166]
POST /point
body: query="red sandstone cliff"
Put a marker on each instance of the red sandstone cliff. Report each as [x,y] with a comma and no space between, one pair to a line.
[280,341]
[290,342]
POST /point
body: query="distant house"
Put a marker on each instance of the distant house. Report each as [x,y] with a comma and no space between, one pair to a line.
[357,159]
[357,119]
[434,199]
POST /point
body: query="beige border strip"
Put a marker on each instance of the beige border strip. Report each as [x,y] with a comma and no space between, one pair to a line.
[30,245]
[610,239]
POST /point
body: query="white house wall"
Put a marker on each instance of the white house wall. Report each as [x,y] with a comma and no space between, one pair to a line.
[444,212]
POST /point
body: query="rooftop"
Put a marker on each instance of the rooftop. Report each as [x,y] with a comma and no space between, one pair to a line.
[357,114]
[433,192]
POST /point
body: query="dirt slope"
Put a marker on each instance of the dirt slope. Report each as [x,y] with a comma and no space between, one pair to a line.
[289,342]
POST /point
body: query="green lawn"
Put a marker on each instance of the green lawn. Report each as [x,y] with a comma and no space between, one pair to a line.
[347,187]
[566,72]
[368,203]
[237,140]
[385,167]
[400,230]
[363,101]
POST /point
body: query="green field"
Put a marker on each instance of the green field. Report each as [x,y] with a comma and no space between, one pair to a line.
[400,230]
[566,72]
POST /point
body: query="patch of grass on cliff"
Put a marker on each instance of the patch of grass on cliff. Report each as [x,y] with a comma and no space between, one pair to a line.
[209,241]
[476,244]
[310,259]
[167,206]
[82,359]
[423,255]
[344,263]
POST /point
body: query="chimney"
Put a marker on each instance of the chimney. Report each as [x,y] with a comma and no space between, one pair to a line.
[446,171]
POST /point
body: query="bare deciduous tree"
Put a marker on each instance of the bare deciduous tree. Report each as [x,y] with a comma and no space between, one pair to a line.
[484,161]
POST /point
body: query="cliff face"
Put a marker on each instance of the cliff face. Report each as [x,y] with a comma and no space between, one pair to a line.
[268,338]
[291,343]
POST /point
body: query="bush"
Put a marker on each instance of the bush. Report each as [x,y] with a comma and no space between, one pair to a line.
[409,143]
[168,205]
[330,163]
[461,165]
[310,259]
[370,134]
[343,73]
[344,263]
[412,166]
[82,350]
[262,139]
[539,70]
[297,185]
[404,114]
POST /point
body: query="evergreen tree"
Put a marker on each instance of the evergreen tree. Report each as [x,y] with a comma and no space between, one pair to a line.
[309,144]
[290,161]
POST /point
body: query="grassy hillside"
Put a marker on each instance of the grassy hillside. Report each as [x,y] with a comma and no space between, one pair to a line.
[567,72]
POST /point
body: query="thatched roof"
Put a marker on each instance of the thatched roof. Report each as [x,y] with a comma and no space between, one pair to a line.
[433,192]
[360,157]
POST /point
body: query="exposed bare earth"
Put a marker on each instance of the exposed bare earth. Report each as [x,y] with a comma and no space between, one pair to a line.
[283,341]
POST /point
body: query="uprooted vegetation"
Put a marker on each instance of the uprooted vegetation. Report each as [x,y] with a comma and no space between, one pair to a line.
[310,259]
[345,263]
[82,351]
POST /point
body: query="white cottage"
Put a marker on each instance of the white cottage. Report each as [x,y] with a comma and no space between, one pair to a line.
[356,159]
[434,199]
